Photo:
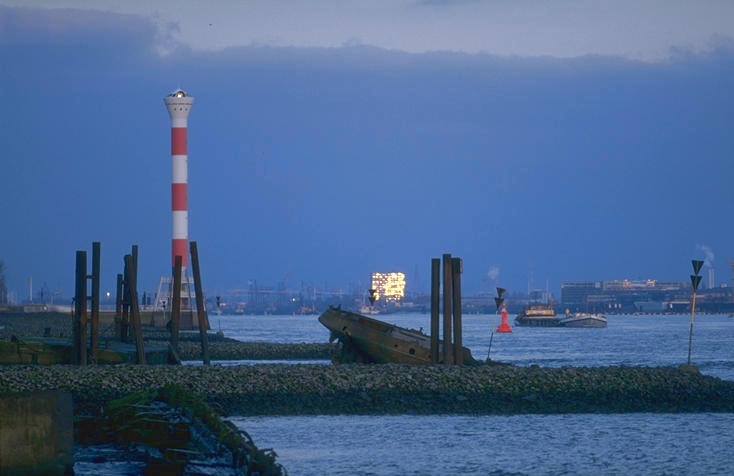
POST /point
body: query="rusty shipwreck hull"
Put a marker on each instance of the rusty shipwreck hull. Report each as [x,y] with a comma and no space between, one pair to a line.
[365,339]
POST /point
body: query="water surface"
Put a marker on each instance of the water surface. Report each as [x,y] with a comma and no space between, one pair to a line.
[651,340]
[616,444]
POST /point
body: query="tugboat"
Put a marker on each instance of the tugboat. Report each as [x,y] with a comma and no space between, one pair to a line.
[538,315]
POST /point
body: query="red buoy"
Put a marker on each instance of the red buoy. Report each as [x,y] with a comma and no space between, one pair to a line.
[504,326]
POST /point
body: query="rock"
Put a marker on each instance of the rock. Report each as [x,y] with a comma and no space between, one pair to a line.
[170,429]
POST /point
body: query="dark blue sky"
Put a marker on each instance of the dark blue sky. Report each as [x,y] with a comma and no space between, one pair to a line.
[328,164]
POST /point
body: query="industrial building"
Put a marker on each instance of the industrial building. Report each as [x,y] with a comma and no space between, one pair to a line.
[642,296]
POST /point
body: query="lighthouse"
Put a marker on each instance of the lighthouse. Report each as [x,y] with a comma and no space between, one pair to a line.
[179,104]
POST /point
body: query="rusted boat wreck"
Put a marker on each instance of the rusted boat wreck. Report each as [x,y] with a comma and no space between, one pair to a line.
[364,339]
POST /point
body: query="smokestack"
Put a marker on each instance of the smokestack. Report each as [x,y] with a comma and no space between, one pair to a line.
[711,278]
[178,104]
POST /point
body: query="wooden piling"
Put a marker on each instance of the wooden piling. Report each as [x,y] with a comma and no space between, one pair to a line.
[131,278]
[448,354]
[132,299]
[135,307]
[200,309]
[96,250]
[176,302]
[75,315]
[134,261]
[118,308]
[79,324]
[125,325]
[435,290]
[456,270]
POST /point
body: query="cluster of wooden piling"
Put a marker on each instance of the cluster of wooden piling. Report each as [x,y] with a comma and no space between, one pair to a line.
[80,321]
[127,311]
[452,269]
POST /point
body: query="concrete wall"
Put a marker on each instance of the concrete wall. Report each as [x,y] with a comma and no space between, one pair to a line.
[36,433]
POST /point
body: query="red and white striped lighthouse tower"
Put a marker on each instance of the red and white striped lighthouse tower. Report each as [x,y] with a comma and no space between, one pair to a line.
[179,104]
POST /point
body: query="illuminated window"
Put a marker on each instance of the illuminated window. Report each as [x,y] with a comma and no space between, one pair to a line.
[390,286]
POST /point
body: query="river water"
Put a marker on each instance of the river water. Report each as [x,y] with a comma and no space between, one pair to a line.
[623,444]
[628,444]
[651,340]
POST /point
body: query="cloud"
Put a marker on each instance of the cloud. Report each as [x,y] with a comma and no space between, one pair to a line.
[625,28]
[444,3]
[49,41]
[494,272]
[70,27]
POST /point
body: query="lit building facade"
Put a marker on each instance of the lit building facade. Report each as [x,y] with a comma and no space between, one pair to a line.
[389,287]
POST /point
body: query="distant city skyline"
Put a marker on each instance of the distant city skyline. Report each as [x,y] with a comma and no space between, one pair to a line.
[327,163]
[42,292]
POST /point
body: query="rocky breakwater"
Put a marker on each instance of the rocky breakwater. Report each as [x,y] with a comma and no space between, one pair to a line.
[226,348]
[56,325]
[392,388]
[236,350]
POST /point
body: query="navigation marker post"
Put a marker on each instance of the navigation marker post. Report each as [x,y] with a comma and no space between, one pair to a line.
[695,281]
[372,297]
[498,302]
